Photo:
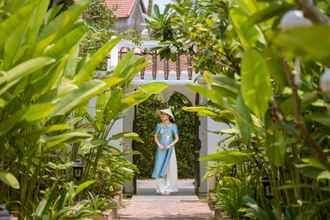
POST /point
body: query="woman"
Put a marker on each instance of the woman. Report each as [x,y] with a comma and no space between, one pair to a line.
[165,168]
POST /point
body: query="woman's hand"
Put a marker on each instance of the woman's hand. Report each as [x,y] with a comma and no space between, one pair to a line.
[161,146]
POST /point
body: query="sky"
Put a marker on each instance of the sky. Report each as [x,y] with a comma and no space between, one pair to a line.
[161,3]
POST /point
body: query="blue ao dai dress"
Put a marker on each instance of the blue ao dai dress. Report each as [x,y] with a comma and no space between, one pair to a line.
[165,166]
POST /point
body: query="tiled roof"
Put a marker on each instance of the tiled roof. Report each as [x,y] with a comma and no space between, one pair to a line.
[121,8]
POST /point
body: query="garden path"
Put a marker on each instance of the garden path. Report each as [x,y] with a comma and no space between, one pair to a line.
[150,206]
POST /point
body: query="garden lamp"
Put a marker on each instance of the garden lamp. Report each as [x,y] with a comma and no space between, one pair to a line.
[4,214]
[267,187]
[78,168]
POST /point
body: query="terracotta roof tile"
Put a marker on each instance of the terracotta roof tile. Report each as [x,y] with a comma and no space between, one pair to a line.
[121,8]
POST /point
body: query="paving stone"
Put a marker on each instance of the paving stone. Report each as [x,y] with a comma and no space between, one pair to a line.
[150,206]
[165,207]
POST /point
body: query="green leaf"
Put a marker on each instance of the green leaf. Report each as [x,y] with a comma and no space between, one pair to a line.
[58,127]
[276,153]
[313,162]
[9,179]
[83,186]
[64,22]
[10,121]
[41,208]
[208,93]
[153,88]
[22,70]
[228,156]
[248,33]
[66,137]
[13,21]
[129,66]
[272,10]
[322,118]
[100,108]
[214,113]
[203,111]
[276,69]
[36,21]
[88,69]
[143,93]
[249,6]
[38,111]
[115,105]
[128,135]
[15,46]
[310,171]
[78,96]
[324,175]
[243,120]
[305,42]
[255,82]
[66,43]
[3,103]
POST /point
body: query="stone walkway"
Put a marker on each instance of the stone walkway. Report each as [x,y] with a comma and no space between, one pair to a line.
[160,207]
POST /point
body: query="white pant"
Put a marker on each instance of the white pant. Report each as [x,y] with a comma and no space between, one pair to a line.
[168,184]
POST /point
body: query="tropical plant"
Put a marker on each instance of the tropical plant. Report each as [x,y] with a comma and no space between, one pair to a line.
[58,206]
[43,84]
[263,79]
[230,192]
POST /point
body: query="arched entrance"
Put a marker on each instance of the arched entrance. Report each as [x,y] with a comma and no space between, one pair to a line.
[177,74]
[187,149]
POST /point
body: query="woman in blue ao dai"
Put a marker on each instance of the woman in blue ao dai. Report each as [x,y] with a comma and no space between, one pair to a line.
[165,168]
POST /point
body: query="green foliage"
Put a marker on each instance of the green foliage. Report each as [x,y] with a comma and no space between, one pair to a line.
[100,21]
[255,78]
[229,193]
[9,179]
[63,206]
[228,157]
[272,103]
[145,123]
[45,91]
[306,44]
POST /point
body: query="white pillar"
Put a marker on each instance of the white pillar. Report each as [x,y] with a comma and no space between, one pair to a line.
[203,188]
[128,120]
[114,58]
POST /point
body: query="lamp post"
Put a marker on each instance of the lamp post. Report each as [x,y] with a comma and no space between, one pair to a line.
[267,187]
[78,167]
[4,214]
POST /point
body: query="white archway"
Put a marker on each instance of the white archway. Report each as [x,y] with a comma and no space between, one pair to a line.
[175,84]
